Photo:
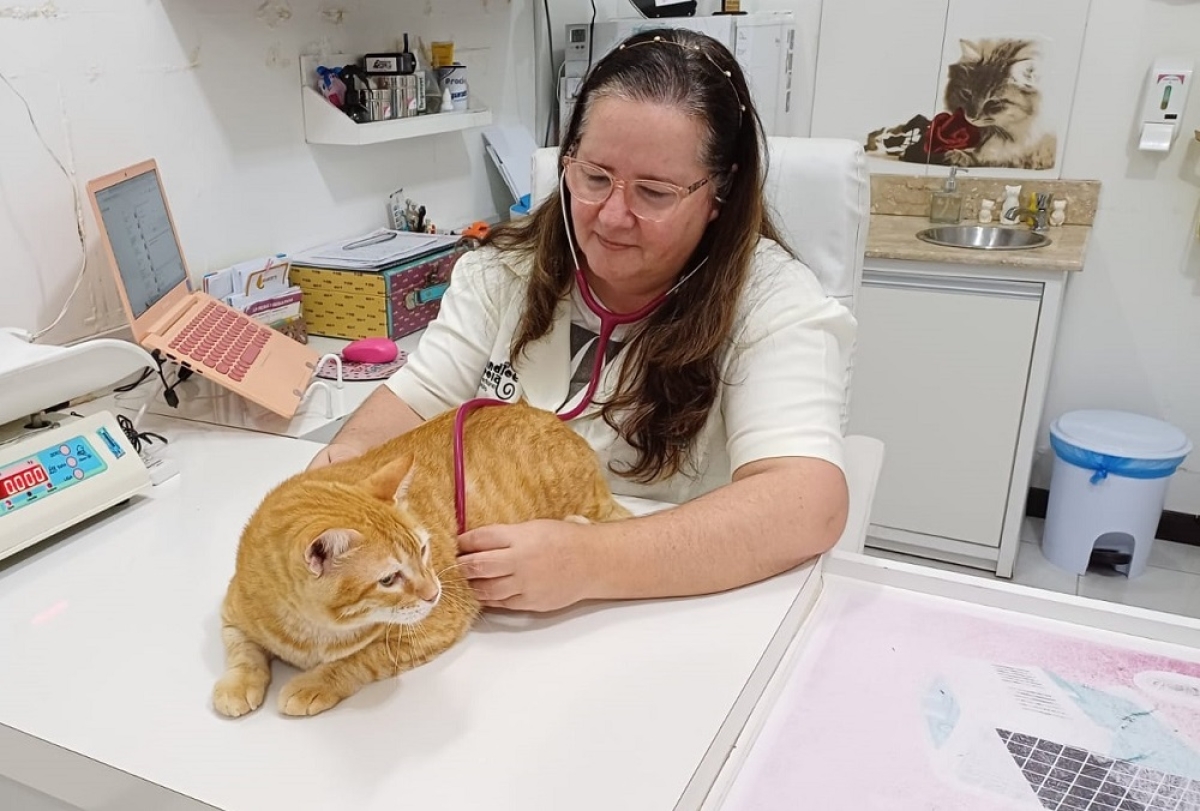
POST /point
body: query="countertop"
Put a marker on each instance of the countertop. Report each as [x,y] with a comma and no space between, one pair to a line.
[895,237]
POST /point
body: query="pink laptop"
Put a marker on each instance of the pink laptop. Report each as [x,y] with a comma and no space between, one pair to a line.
[189,327]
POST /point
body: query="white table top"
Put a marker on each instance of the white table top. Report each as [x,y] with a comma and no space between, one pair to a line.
[109,648]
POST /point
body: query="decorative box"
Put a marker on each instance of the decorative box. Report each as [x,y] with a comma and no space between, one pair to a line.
[394,301]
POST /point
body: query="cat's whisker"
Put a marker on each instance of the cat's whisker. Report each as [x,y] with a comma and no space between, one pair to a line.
[448,568]
[394,655]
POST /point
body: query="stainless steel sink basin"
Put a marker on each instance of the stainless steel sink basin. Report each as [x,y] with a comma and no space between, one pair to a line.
[984,237]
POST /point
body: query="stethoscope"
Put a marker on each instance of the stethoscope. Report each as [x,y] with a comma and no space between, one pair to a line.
[609,321]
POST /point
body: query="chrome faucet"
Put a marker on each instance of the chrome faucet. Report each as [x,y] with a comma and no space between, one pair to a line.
[1039,213]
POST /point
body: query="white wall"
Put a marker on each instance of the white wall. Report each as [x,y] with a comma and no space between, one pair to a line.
[210,88]
[1130,335]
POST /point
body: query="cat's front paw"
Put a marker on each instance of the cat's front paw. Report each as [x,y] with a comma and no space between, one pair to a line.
[305,696]
[237,694]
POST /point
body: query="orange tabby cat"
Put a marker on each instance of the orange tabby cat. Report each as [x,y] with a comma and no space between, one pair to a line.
[348,571]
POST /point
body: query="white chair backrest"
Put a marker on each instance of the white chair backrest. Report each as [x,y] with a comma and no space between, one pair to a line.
[819,191]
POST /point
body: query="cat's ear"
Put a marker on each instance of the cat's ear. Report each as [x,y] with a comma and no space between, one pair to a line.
[320,554]
[390,483]
[1025,73]
[970,51]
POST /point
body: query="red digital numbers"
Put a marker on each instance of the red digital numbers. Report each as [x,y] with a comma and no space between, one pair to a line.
[23,480]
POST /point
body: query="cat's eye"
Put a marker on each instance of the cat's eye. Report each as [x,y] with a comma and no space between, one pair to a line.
[390,580]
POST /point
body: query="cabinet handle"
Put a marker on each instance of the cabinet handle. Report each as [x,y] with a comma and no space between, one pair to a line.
[953,284]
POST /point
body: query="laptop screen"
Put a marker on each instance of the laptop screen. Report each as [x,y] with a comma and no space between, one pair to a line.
[139,230]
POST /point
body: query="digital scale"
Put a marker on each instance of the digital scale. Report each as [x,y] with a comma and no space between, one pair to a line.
[56,470]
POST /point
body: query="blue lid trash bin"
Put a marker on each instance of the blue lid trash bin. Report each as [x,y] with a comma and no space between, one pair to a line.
[1108,487]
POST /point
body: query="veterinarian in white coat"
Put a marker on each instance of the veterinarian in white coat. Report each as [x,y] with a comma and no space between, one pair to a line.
[649,303]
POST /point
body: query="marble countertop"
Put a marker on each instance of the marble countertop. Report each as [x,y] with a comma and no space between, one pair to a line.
[895,237]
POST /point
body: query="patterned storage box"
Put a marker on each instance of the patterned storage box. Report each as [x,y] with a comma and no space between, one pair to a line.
[392,302]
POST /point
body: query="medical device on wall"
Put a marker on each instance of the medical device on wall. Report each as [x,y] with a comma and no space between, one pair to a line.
[762,43]
[57,470]
[1167,89]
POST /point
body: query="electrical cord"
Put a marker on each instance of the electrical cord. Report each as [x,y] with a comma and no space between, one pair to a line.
[550,56]
[169,388]
[136,437]
[78,213]
[146,372]
[591,37]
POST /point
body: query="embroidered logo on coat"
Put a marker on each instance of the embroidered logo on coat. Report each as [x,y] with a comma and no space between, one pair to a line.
[500,379]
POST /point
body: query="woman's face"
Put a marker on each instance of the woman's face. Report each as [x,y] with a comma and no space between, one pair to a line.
[630,260]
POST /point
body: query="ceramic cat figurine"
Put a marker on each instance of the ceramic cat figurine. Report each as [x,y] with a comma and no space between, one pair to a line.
[349,571]
[1010,203]
[996,83]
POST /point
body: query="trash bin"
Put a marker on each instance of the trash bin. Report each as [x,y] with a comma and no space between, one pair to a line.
[1111,470]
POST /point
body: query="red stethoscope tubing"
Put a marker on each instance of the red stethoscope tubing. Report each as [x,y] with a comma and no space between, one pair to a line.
[609,321]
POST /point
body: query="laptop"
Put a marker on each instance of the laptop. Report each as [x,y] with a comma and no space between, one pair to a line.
[189,327]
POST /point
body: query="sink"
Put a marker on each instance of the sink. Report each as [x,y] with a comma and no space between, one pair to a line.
[984,237]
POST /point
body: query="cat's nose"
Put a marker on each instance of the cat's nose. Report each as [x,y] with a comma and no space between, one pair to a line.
[430,591]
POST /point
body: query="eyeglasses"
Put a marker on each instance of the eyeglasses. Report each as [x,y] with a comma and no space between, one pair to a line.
[652,200]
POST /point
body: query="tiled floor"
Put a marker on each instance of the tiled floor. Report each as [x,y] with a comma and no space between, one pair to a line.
[1170,583]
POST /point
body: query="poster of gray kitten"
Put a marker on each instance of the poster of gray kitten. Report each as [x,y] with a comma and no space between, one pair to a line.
[993,100]
[996,85]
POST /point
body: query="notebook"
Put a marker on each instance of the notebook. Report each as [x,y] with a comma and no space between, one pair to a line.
[190,327]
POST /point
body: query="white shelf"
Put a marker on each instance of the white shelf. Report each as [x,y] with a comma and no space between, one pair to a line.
[326,124]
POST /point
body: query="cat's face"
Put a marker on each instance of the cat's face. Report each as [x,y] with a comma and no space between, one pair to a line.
[373,564]
[995,83]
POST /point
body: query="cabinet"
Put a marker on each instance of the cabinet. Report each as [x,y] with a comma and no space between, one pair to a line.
[950,372]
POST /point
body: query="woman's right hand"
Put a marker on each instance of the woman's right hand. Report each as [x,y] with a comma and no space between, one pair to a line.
[334,452]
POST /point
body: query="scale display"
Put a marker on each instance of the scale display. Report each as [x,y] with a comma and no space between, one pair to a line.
[41,475]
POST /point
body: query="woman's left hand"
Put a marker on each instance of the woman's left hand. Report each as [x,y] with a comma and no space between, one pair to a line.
[534,566]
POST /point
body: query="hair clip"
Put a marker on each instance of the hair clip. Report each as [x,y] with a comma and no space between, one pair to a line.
[696,49]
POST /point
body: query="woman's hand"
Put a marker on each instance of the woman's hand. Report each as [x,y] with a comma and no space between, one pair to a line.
[535,566]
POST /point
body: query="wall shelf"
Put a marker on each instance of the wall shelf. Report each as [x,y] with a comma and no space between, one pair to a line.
[326,124]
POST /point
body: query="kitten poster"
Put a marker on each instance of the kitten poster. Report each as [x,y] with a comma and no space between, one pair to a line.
[993,111]
[988,86]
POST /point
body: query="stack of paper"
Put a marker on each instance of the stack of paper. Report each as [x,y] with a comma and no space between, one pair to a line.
[374,251]
[260,288]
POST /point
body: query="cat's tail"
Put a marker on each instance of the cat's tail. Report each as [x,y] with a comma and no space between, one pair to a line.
[607,508]
[615,512]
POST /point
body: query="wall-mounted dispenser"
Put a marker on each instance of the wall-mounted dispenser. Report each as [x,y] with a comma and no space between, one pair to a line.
[1167,87]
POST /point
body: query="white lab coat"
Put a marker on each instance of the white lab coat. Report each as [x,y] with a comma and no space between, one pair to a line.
[785,369]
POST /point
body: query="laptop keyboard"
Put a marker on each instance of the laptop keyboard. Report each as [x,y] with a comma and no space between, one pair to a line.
[219,339]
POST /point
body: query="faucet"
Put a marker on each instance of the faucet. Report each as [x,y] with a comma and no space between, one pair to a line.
[1039,213]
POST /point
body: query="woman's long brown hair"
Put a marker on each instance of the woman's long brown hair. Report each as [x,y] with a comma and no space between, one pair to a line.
[671,374]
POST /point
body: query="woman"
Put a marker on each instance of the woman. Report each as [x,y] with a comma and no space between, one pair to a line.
[723,393]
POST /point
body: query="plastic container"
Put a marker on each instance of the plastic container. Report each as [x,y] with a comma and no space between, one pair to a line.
[1108,487]
[519,209]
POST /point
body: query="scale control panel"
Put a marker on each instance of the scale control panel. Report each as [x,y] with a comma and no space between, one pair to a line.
[51,471]
[52,479]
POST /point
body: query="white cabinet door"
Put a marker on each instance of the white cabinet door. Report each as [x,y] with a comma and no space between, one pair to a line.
[940,374]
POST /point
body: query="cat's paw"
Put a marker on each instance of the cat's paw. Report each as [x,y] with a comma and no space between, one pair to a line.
[237,694]
[577,519]
[304,696]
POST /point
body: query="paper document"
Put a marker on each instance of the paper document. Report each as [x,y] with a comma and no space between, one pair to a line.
[374,251]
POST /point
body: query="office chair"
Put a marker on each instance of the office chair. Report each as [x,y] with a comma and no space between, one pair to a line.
[819,192]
